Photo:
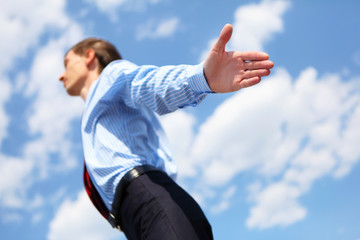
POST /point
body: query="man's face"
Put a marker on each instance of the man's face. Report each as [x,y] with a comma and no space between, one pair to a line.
[75,73]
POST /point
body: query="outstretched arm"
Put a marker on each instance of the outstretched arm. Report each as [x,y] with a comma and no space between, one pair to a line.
[231,71]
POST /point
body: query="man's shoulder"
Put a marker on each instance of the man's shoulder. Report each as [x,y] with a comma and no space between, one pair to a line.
[119,65]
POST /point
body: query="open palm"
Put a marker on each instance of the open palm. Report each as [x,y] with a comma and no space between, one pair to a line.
[231,71]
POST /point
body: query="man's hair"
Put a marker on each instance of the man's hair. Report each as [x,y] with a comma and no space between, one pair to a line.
[105,52]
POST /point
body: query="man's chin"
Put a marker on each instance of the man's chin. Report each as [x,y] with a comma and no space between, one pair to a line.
[71,92]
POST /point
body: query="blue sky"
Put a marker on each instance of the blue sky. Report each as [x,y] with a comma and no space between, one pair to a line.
[276,161]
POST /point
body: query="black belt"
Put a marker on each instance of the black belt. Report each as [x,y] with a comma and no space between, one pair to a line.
[114,216]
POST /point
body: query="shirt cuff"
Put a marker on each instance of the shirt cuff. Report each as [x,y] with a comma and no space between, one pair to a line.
[197,80]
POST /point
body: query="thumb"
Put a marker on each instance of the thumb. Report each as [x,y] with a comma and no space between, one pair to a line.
[224,38]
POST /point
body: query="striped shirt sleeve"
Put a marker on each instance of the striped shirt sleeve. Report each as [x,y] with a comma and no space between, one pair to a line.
[162,89]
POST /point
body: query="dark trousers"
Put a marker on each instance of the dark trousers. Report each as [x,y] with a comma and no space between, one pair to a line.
[155,207]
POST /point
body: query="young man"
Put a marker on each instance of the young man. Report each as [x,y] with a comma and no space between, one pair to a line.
[128,169]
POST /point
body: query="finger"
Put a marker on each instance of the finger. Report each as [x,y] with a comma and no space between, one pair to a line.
[224,38]
[249,82]
[253,56]
[256,73]
[259,64]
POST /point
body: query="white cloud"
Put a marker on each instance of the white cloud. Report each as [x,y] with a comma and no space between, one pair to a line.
[14,182]
[255,25]
[5,93]
[154,30]
[80,220]
[224,203]
[50,115]
[107,5]
[110,7]
[347,147]
[232,126]
[36,218]
[205,53]
[26,23]
[52,111]
[298,130]
[179,129]
[356,57]
[294,130]
[277,205]
[49,120]
[12,218]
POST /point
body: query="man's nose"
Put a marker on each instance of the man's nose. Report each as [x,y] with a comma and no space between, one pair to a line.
[62,76]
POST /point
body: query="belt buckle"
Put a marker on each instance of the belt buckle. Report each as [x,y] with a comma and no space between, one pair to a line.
[134,173]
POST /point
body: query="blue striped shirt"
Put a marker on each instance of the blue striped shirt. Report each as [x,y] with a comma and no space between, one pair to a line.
[120,129]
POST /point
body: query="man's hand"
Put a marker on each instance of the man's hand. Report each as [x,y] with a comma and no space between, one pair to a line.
[231,71]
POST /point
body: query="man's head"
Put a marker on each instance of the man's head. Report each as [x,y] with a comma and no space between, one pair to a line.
[105,52]
[84,62]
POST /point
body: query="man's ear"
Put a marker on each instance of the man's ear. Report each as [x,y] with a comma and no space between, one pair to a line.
[90,57]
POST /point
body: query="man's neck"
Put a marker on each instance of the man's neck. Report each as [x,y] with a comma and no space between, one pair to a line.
[91,79]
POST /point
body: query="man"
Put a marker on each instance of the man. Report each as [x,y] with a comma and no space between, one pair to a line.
[128,169]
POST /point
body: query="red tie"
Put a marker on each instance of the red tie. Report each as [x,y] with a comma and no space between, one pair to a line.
[94,195]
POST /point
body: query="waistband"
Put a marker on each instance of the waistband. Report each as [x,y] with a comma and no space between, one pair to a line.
[114,215]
